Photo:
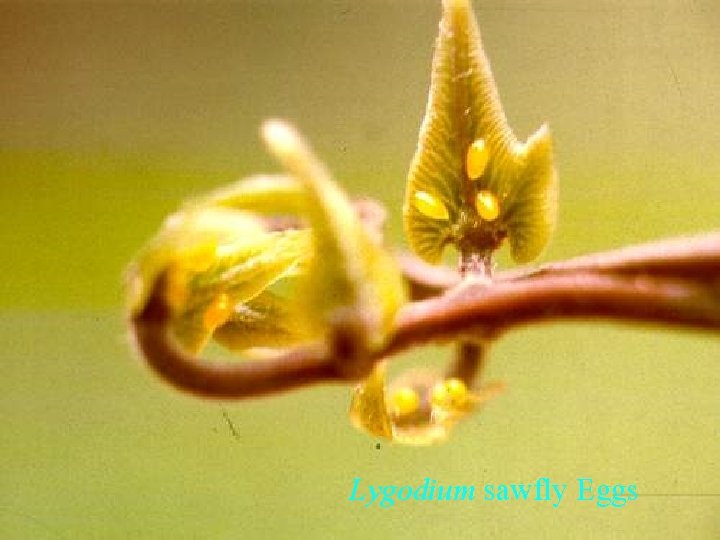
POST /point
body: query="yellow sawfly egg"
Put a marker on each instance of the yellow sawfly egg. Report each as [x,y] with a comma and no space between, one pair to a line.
[430,206]
[476,159]
[405,401]
[449,394]
[487,205]
[218,312]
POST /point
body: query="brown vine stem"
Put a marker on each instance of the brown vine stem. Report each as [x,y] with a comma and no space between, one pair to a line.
[693,258]
[675,283]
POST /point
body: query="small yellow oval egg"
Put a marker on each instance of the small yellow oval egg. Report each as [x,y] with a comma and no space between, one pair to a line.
[405,401]
[430,206]
[487,205]
[450,393]
[218,312]
[476,159]
[457,390]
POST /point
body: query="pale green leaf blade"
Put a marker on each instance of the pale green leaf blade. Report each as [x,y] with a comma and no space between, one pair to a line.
[530,204]
[187,237]
[237,277]
[368,408]
[266,194]
[266,321]
[215,259]
[349,269]
[436,168]
[463,107]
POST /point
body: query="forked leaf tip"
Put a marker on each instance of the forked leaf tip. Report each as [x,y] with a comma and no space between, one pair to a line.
[469,168]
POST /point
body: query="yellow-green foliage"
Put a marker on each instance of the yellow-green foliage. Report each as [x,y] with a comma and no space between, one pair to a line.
[228,274]
[419,409]
[465,147]
[231,273]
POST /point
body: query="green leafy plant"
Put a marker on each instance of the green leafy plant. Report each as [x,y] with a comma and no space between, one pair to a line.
[294,276]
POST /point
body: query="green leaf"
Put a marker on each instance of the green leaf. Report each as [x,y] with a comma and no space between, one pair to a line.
[368,408]
[463,106]
[266,321]
[214,259]
[267,194]
[349,270]
[222,255]
[434,416]
[188,239]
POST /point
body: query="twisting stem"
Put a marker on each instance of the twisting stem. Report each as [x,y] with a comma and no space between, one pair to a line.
[299,367]
[487,313]
[696,258]
[674,283]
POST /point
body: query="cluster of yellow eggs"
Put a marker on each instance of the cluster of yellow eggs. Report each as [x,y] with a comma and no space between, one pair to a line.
[448,394]
[486,203]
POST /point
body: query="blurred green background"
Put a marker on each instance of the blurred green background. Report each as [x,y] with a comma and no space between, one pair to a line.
[111,114]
